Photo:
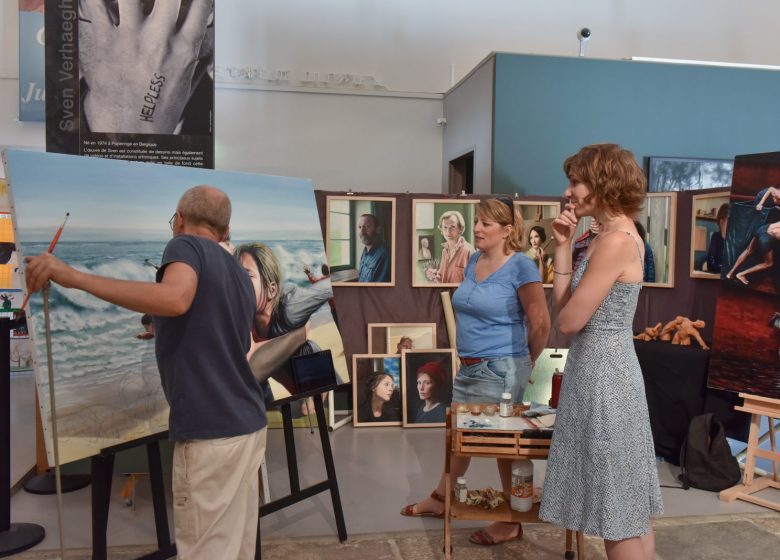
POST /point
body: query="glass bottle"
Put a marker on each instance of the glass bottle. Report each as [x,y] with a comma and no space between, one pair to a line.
[461,490]
[505,407]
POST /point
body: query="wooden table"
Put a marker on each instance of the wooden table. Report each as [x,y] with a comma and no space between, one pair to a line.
[498,443]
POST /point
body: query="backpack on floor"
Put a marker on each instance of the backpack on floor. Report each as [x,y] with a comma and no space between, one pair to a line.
[705,457]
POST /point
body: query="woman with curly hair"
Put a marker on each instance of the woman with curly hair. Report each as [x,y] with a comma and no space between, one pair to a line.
[601,475]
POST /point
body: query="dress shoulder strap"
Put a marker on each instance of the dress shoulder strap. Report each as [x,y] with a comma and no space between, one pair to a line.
[639,242]
[638,246]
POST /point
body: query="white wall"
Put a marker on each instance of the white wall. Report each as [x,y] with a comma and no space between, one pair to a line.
[384,143]
[471,102]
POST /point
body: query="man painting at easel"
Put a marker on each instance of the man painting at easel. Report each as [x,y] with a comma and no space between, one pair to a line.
[203,307]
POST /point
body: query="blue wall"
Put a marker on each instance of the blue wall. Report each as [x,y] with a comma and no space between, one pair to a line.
[546,108]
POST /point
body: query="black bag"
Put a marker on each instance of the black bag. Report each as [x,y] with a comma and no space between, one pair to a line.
[705,458]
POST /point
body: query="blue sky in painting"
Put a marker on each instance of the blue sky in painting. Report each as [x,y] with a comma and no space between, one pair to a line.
[119,200]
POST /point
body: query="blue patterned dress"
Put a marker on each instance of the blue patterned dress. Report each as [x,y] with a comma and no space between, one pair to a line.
[601,475]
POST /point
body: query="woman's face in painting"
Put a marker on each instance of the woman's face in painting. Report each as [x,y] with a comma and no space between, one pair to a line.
[534,239]
[385,389]
[262,295]
[425,386]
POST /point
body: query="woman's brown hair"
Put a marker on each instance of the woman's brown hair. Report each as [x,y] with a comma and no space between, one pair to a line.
[613,175]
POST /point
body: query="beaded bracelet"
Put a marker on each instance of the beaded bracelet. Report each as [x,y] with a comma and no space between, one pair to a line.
[562,273]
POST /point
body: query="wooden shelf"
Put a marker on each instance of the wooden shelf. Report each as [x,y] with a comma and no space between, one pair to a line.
[503,512]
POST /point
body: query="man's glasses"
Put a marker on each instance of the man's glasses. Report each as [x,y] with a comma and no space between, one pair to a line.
[449,228]
[172,220]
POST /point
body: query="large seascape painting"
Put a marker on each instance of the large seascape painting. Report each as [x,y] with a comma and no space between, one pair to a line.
[107,386]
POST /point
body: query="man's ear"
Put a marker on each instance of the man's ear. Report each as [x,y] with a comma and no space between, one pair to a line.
[226,235]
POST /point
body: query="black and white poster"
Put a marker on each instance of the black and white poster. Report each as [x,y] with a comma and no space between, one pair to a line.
[131,79]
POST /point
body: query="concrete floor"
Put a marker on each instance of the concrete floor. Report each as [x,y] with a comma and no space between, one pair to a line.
[379,471]
[22,425]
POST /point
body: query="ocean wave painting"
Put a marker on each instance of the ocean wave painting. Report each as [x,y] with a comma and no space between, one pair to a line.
[107,387]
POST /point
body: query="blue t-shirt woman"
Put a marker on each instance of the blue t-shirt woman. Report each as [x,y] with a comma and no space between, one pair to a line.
[492,333]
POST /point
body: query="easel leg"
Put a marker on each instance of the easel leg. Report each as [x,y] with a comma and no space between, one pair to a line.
[164,544]
[102,472]
[772,446]
[330,468]
[750,462]
[289,446]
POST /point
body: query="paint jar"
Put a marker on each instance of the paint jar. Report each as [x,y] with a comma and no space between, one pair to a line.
[505,406]
[460,490]
[522,498]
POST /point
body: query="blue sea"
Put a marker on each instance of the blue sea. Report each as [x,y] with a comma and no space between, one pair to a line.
[100,367]
[91,337]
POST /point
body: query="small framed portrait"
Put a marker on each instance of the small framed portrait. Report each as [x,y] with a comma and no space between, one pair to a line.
[392,338]
[538,240]
[709,217]
[656,224]
[446,229]
[360,240]
[376,390]
[426,386]
[667,174]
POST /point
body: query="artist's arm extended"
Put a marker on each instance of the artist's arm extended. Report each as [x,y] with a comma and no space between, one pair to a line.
[534,304]
[266,357]
[139,73]
[615,255]
[169,298]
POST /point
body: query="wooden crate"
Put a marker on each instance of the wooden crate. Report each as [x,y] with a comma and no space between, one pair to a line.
[498,442]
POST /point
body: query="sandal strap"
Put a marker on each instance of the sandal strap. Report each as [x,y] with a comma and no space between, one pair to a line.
[436,496]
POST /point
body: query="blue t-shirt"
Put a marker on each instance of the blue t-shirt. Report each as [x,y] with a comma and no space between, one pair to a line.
[202,354]
[489,317]
[375,264]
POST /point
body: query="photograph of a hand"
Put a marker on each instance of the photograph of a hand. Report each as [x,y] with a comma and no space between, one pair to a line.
[141,68]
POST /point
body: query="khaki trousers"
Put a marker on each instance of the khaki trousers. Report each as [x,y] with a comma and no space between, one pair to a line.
[215,496]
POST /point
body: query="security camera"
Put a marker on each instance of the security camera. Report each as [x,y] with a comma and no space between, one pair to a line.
[583,35]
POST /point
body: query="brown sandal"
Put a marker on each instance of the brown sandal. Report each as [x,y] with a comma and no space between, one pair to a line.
[408,511]
[483,538]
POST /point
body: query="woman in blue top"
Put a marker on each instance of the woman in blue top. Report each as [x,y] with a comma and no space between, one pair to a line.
[502,327]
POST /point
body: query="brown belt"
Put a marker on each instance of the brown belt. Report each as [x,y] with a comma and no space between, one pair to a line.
[470,361]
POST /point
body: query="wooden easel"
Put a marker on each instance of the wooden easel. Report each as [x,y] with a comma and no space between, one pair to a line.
[758,407]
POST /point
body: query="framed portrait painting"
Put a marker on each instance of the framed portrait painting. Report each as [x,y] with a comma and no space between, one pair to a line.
[376,390]
[443,231]
[538,239]
[390,338]
[658,219]
[709,218]
[360,240]
[426,386]
[667,174]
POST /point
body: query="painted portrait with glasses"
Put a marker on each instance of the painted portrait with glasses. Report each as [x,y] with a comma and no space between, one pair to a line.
[442,241]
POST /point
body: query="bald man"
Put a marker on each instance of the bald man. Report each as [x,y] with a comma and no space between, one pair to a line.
[203,305]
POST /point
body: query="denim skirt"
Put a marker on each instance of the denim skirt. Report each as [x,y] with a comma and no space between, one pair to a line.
[484,382]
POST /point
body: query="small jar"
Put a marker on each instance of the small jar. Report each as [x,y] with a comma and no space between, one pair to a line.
[461,490]
[505,407]
[557,379]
